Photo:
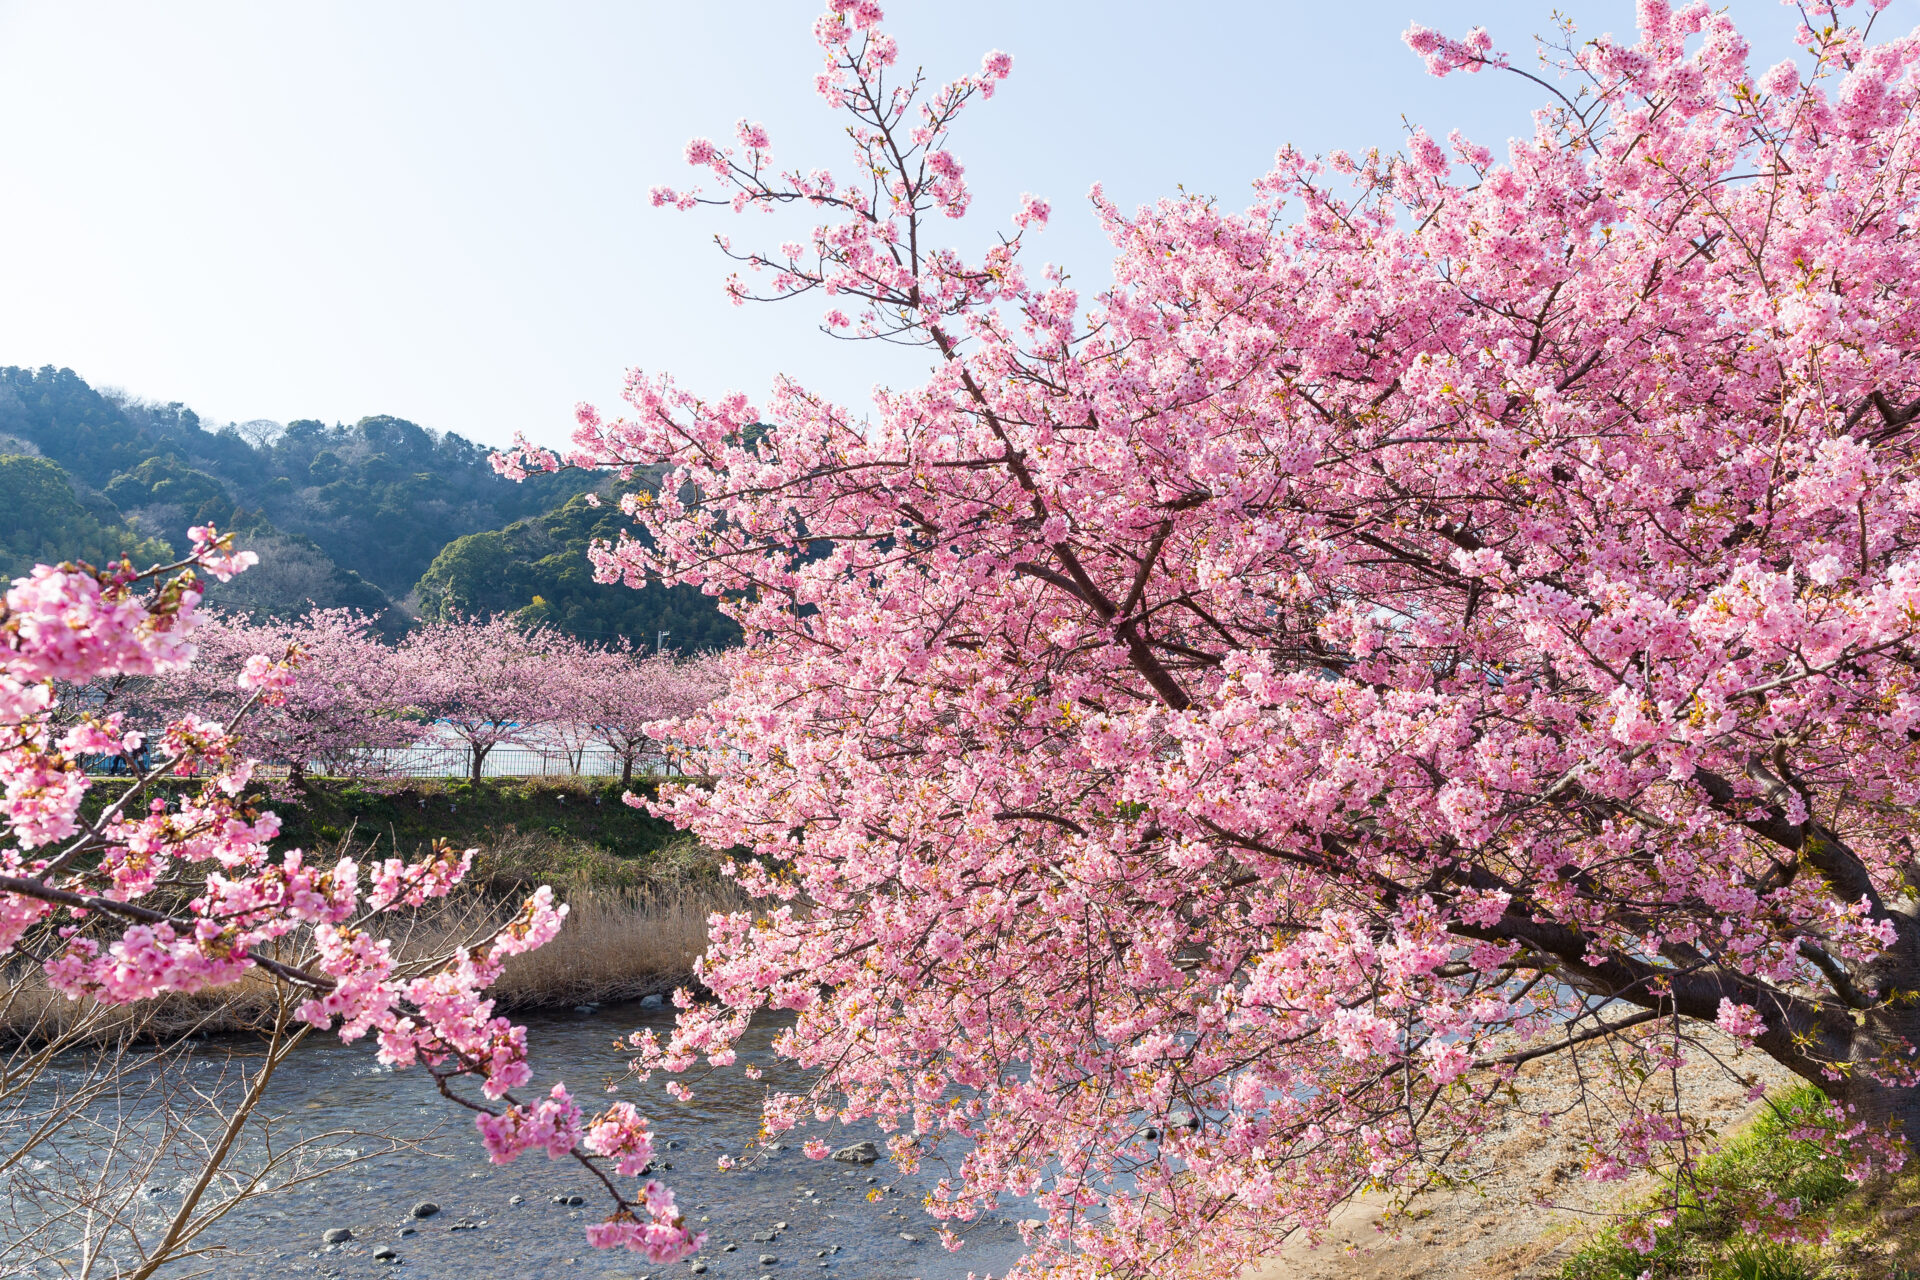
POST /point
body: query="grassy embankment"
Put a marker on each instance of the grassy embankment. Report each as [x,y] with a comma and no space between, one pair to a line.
[1870,1232]
[639,891]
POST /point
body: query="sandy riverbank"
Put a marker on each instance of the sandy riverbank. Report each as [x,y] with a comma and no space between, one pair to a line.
[1528,1208]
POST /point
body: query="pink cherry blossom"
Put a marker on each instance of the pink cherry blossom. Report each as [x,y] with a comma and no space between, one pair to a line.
[1461,605]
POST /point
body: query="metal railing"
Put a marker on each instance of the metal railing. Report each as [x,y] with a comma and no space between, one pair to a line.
[439,760]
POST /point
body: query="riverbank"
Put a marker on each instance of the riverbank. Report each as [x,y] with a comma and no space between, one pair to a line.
[1523,1210]
[639,893]
[618,945]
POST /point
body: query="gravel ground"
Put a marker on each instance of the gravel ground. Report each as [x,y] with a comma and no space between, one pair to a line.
[1529,1206]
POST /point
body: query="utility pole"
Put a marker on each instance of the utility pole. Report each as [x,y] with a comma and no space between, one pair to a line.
[660,642]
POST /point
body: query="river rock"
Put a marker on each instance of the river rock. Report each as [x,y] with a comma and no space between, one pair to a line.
[768,1260]
[779,1226]
[337,1235]
[858,1153]
[386,1255]
[425,1209]
[516,1199]
[909,1237]
[698,1268]
[650,1002]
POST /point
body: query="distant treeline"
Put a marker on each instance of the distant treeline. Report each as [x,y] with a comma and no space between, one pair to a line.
[380,515]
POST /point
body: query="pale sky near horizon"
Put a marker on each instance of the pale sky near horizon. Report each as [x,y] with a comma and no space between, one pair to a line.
[439,210]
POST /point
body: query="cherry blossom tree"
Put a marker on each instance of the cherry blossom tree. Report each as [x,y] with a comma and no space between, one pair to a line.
[1458,610]
[345,708]
[623,700]
[175,890]
[485,681]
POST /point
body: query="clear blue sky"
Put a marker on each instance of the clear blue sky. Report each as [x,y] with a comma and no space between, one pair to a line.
[439,210]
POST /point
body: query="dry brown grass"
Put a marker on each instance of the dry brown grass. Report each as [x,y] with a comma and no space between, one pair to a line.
[618,944]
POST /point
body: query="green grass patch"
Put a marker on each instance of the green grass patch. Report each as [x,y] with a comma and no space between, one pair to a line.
[1706,1240]
[528,830]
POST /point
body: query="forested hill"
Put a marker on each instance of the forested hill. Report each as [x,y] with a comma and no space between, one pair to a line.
[537,568]
[343,514]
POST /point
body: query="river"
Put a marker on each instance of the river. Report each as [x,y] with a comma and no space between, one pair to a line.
[819,1214]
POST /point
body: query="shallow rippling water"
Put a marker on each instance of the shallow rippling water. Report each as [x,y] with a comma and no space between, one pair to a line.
[809,1207]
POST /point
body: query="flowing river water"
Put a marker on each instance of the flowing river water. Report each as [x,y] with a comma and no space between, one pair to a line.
[502,1222]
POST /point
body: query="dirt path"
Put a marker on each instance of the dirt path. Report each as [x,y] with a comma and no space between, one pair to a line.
[1531,1207]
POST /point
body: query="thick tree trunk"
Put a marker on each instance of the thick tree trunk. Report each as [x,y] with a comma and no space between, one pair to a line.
[1896,1107]
[626,771]
[479,758]
[1859,1042]
[1878,1042]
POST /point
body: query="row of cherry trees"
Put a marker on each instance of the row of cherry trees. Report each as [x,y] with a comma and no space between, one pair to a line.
[483,682]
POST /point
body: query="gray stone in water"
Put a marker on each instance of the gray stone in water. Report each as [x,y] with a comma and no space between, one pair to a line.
[763,1237]
[516,1199]
[337,1235]
[768,1260]
[425,1209]
[649,1002]
[779,1226]
[698,1268]
[386,1255]
[729,1248]
[909,1237]
[407,1231]
[858,1153]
